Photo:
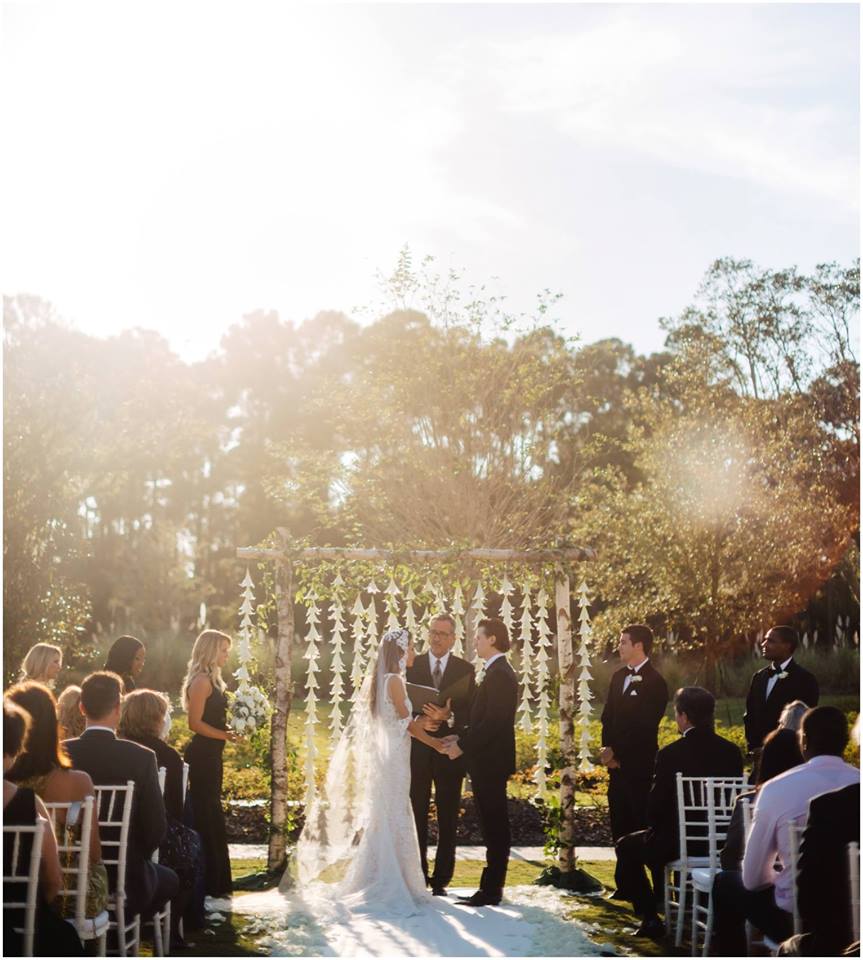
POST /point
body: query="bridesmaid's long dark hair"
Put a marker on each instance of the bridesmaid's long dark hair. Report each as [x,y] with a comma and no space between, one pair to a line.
[120,657]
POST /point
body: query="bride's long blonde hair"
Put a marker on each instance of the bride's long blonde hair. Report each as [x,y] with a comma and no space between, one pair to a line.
[205,653]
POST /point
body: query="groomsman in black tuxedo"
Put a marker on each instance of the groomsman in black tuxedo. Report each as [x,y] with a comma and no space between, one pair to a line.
[775,686]
[440,668]
[489,750]
[636,700]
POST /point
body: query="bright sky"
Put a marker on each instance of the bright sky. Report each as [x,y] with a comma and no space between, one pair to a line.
[176,165]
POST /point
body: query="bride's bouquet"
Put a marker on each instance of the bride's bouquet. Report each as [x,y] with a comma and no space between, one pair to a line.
[249,709]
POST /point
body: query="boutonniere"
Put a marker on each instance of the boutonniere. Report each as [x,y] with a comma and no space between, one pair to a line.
[782,676]
[636,678]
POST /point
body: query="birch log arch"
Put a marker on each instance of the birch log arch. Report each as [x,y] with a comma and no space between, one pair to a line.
[526,603]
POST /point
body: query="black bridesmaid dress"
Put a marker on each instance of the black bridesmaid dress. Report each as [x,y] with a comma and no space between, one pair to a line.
[204,756]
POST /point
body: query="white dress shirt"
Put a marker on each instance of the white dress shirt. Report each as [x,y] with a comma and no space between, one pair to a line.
[443,661]
[491,660]
[628,678]
[782,801]
[772,681]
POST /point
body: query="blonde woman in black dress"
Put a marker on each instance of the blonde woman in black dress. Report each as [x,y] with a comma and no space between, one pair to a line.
[206,703]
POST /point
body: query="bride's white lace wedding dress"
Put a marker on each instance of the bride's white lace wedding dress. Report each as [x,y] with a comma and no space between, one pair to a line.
[386,872]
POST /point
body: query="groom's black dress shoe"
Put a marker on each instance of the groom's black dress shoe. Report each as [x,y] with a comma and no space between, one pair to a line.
[480,899]
[438,891]
[652,928]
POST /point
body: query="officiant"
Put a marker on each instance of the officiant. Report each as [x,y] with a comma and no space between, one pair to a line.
[454,679]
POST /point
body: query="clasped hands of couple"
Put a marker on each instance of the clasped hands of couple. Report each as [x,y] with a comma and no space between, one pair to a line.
[432,719]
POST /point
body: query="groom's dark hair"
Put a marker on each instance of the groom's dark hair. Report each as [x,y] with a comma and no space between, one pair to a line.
[497,629]
[640,633]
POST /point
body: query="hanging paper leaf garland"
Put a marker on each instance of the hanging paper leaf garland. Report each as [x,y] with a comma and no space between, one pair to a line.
[543,643]
[312,655]
[392,592]
[337,686]
[358,635]
[585,633]
[371,636]
[458,611]
[526,662]
[249,705]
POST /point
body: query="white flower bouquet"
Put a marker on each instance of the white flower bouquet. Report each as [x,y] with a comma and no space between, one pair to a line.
[249,708]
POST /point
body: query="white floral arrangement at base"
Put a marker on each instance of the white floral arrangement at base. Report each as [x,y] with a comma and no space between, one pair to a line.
[249,709]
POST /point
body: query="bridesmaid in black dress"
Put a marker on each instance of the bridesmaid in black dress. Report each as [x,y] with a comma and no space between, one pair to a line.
[206,705]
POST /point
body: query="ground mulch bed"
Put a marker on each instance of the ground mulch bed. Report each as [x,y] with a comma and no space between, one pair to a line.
[250,824]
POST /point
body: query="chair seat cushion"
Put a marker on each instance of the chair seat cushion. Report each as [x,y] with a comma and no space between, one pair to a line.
[92,927]
[702,879]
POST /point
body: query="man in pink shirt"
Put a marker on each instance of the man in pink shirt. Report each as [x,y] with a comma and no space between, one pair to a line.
[764,894]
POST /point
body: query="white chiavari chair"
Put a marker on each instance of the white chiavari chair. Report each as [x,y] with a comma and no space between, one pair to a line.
[692,813]
[720,794]
[73,826]
[21,872]
[114,804]
[161,920]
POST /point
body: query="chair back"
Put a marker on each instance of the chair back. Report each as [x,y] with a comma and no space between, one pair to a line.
[185,781]
[73,826]
[22,854]
[704,808]
[114,804]
[854,887]
[795,832]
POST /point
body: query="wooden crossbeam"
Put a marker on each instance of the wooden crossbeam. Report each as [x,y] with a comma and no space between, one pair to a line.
[570,555]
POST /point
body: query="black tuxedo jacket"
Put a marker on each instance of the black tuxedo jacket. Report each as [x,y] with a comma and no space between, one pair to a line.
[111,762]
[630,721]
[762,712]
[823,892]
[699,753]
[456,669]
[489,744]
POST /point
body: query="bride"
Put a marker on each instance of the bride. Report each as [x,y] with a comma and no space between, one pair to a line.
[361,821]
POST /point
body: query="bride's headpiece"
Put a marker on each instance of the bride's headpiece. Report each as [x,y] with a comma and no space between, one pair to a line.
[401,637]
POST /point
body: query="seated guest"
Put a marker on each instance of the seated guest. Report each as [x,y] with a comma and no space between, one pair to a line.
[763,895]
[42,663]
[784,747]
[70,720]
[699,752]
[126,658]
[44,766]
[54,937]
[823,891]
[143,719]
[781,752]
[111,762]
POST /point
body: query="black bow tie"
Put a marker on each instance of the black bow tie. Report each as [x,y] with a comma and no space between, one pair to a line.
[631,671]
[774,670]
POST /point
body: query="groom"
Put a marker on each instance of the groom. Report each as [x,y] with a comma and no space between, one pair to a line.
[488,747]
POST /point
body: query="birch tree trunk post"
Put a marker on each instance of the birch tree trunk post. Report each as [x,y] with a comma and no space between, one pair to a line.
[566,666]
[276,858]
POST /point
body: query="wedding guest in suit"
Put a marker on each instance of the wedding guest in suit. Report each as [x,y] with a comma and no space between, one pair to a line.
[70,720]
[636,700]
[126,658]
[440,668]
[762,895]
[42,663]
[775,686]
[206,704]
[143,719]
[488,747]
[699,752]
[53,936]
[44,767]
[111,762]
